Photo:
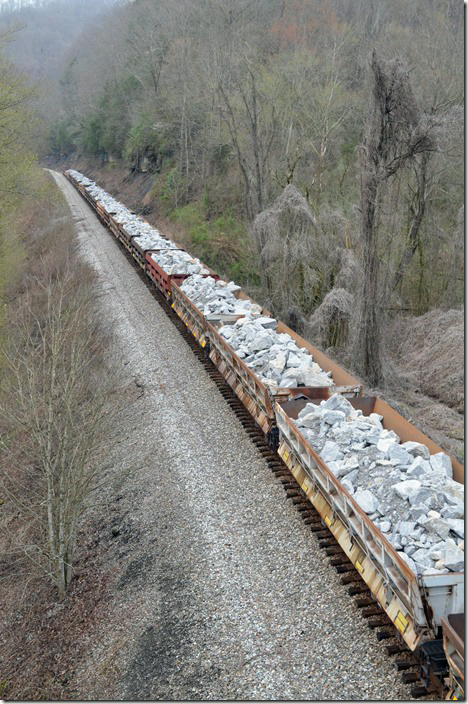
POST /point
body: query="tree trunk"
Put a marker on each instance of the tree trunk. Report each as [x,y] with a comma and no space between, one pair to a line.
[417,217]
[369,361]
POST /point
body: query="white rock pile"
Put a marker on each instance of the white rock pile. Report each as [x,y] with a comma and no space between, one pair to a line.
[215,298]
[178,262]
[274,357]
[153,240]
[149,237]
[408,493]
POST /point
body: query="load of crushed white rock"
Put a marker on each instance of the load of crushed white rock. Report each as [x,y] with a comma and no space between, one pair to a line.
[178,261]
[153,240]
[217,298]
[274,357]
[146,236]
[408,493]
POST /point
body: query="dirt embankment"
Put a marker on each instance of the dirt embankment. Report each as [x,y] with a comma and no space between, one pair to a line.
[428,388]
[429,351]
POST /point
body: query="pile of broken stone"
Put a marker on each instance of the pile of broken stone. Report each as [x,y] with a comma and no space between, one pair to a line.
[133,224]
[217,298]
[178,261]
[153,240]
[273,357]
[408,493]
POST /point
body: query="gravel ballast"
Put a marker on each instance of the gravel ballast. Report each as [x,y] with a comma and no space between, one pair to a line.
[220,590]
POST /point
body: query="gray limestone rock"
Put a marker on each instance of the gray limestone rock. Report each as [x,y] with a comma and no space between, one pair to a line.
[416,449]
[352,476]
[279,362]
[332,417]
[418,511]
[309,421]
[407,488]
[422,496]
[376,419]
[453,510]
[410,549]
[436,526]
[268,323]
[421,557]
[406,527]
[349,486]
[337,402]
[384,445]
[454,558]
[397,452]
[440,462]
[331,452]
[294,360]
[366,500]
[261,342]
[418,468]
[457,526]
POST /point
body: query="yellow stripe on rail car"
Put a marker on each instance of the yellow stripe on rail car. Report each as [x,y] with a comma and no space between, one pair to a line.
[401,623]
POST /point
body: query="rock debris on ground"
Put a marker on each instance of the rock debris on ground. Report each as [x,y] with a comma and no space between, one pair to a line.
[221,591]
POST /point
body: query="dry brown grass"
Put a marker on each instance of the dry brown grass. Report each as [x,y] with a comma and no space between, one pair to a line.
[428,350]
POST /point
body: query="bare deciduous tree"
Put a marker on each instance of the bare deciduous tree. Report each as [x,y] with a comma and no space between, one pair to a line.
[397,133]
[252,123]
[54,397]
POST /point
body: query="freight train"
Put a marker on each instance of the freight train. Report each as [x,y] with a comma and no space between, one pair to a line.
[427,610]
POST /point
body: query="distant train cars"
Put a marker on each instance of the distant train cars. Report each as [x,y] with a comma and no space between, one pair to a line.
[391,498]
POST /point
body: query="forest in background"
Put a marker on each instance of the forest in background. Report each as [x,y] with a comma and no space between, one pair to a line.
[256,127]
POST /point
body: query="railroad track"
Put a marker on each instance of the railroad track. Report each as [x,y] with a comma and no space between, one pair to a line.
[405,661]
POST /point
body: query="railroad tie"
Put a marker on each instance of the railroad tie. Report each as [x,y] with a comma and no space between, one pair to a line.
[351,579]
[365,601]
[402,665]
[395,649]
[332,549]
[330,542]
[384,635]
[298,503]
[291,492]
[342,560]
[358,589]
[372,611]
[304,507]
[374,623]
[419,691]
[322,533]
